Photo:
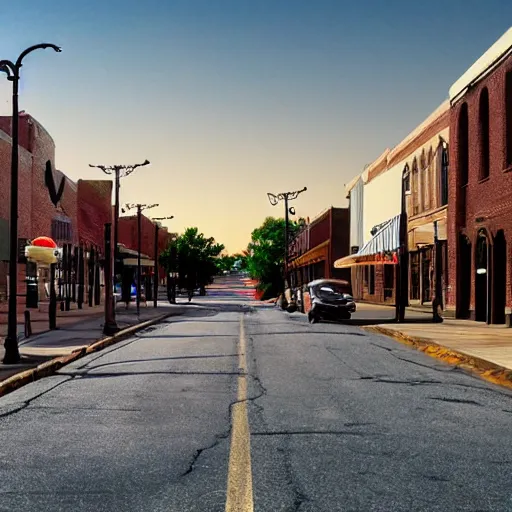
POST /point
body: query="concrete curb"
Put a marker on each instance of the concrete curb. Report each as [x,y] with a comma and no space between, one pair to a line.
[486,370]
[51,367]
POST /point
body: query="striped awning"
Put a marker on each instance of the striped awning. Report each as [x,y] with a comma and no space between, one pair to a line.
[381,248]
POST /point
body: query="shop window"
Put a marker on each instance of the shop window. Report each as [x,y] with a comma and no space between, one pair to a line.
[444,175]
[508,118]
[483,117]
[389,281]
[415,275]
[371,279]
[463,140]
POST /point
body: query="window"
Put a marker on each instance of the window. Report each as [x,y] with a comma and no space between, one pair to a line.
[463,141]
[423,185]
[415,275]
[508,118]
[429,173]
[444,175]
[61,230]
[371,280]
[483,118]
[415,202]
[407,179]
[389,281]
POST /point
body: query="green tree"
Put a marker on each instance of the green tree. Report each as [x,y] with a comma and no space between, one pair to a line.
[193,257]
[225,262]
[265,259]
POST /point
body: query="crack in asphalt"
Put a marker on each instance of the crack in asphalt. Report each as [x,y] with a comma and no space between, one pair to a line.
[88,375]
[454,400]
[26,403]
[314,433]
[218,437]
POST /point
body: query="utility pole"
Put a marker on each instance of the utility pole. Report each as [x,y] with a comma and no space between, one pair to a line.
[286,197]
[402,272]
[155,284]
[12,69]
[119,171]
[140,208]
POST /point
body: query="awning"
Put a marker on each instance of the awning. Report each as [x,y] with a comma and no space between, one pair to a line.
[424,235]
[132,262]
[315,255]
[382,248]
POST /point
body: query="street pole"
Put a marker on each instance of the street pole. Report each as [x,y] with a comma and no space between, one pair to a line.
[140,208]
[155,284]
[402,276]
[286,197]
[12,354]
[155,278]
[110,326]
[119,171]
[139,223]
[437,303]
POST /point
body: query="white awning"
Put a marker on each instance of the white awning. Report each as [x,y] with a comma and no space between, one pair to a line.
[383,244]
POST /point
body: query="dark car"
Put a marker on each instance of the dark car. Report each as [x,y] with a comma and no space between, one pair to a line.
[331,299]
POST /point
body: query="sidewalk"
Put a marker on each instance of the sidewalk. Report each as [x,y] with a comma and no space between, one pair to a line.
[491,344]
[75,332]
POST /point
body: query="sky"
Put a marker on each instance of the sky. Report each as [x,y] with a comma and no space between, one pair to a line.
[231,99]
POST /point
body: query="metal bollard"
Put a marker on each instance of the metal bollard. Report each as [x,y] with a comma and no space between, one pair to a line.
[28,325]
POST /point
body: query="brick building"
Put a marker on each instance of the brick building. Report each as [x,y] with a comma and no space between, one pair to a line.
[77,221]
[480,188]
[128,237]
[318,245]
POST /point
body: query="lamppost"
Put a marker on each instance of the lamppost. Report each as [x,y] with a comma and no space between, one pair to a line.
[286,197]
[12,69]
[119,171]
[155,284]
[140,208]
[402,274]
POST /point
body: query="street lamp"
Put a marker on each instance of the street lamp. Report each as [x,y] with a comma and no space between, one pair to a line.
[12,354]
[286,197]
[140,208]
[155,284]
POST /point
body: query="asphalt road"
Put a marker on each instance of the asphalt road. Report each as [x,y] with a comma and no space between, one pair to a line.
[247,405]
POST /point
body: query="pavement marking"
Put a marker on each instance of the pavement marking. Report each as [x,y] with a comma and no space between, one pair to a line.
[239,492]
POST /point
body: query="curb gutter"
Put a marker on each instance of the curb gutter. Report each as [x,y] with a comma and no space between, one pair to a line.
[486,370]
[51,367]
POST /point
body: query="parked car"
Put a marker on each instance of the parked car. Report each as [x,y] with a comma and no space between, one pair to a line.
[331,299]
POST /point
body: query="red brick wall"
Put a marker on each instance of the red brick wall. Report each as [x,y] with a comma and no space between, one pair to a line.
[320,230]
[94,210]
[128,235]
[490,199]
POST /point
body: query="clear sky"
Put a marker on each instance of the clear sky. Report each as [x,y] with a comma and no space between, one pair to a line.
[230,99]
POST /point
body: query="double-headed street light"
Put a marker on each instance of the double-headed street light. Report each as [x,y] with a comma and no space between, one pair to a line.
[140,209]
[12,69]
[155,284]
[286,197]
[119,171]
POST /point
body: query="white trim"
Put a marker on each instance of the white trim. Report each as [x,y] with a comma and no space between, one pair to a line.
[482,65]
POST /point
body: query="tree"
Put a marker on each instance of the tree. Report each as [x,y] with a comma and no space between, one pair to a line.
[193,257]
[225,262]
[265,260]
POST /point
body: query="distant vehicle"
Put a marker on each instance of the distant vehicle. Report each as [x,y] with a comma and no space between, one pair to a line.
[330,300]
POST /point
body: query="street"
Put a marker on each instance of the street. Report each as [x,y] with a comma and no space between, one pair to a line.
[237,405]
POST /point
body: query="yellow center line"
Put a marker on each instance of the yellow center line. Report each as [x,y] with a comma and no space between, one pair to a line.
[239,492]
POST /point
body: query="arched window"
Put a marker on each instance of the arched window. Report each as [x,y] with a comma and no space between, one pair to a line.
[429,181]
[463,143]
[406,175]
[415,196]
[483,118]
[508,118]
[423,181]
[444,174]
